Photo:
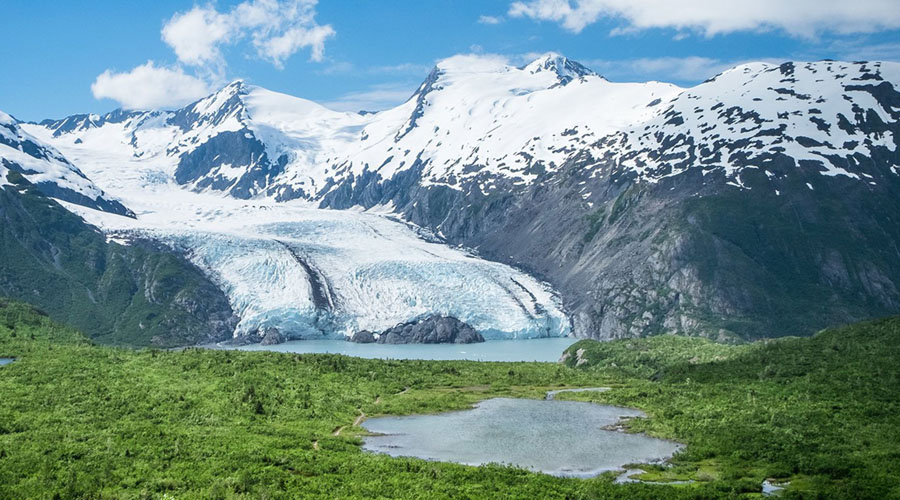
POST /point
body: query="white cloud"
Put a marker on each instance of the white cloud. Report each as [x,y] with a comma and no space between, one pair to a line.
[149,87]
[859,50]
[490,20]
[402,68]
[276,28]
[336,68]
[376,98]
[195,35]
[804,18]
[692,68]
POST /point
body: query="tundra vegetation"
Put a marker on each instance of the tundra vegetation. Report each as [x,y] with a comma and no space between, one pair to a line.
[80,420]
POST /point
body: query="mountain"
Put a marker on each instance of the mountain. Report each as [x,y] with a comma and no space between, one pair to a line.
[513,123]
[761,201]
[139,294]
[48,169]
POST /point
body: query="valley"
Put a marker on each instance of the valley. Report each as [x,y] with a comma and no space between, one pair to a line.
[757,203]
[817,414]
[289,249]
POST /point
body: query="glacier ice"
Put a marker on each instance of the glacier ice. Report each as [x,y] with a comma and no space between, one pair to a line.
[314,273]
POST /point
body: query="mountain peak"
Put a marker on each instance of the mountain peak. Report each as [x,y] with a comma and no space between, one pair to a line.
[566,69]
[238,86]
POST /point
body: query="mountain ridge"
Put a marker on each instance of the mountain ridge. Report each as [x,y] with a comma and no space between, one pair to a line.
[605,190]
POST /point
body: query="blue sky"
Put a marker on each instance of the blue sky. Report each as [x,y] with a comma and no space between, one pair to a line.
[60,58]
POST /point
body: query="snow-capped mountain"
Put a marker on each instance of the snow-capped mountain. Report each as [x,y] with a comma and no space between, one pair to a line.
[828,117]
[470,112]
[48,169]
[651,208]
[478,123]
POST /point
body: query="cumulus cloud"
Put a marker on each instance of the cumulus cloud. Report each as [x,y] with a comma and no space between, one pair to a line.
[149,86]
[804,18]
[276,29]
[196,35]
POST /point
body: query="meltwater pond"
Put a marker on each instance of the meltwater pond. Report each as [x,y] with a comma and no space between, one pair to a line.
[547,350]
[563,438]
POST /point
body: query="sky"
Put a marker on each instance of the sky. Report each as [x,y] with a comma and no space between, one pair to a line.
[92,56]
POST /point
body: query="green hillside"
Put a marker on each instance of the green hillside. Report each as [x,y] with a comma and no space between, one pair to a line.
[129,295]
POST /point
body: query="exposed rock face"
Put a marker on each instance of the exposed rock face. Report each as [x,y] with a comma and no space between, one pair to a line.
[713,220]
[363,337]
[432,330]
[51,172]
[272,336]
[762,202]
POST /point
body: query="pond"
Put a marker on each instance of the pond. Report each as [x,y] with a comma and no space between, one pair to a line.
[6,361]
[546,350]
[563,438]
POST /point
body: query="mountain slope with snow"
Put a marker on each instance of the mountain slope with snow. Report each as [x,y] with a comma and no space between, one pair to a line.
[479,124]
[769,192]
[471,117]
[48,169]
[826,116]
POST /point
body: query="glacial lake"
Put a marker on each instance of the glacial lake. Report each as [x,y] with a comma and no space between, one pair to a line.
[546,350]
[562,438]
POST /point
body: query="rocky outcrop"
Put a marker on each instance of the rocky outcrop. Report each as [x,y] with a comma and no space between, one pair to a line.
[431,330]
[272,336]
[363,337]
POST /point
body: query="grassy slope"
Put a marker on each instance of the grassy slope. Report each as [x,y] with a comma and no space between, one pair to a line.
[78,420]
[823,411]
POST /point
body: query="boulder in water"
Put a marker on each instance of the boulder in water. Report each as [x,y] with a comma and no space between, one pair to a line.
[431,330]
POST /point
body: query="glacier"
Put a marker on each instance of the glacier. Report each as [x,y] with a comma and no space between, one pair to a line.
[311,273]
[314,273]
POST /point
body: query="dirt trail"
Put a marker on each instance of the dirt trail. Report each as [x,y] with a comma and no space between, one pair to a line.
[359,419]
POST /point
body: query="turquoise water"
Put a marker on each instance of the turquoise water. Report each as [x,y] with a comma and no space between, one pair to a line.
[563,438]
[548,350]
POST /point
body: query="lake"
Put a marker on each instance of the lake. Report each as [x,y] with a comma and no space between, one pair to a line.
[546,349]
[563,438]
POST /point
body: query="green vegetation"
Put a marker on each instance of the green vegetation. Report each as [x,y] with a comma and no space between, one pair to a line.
[595,222]
[79,420]
[821,412]
[128,295]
